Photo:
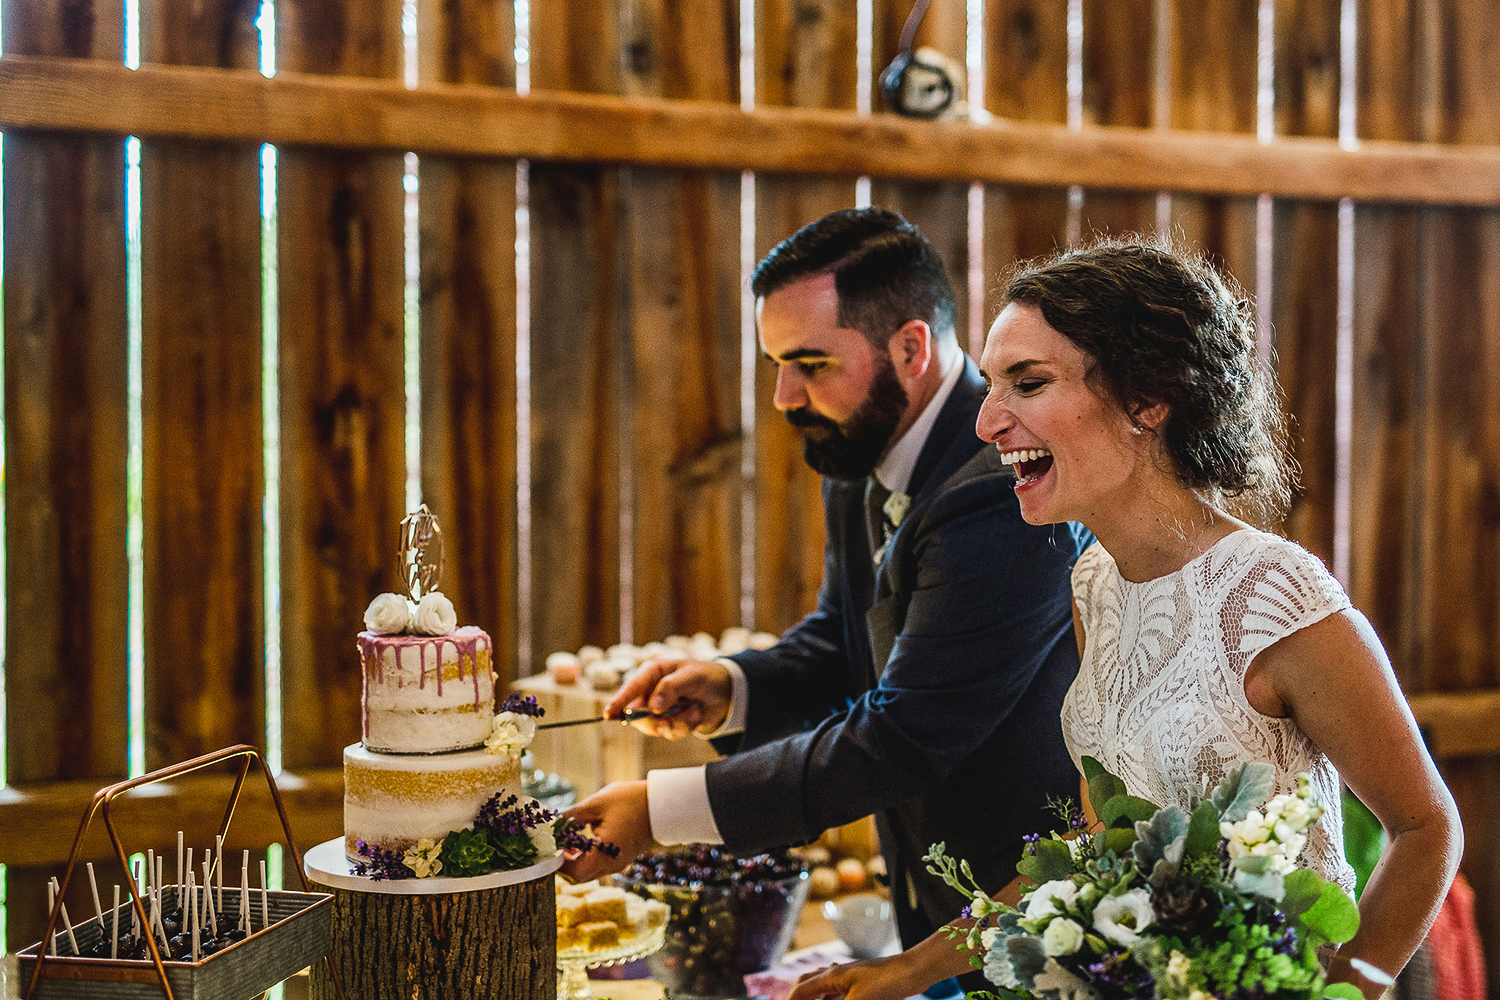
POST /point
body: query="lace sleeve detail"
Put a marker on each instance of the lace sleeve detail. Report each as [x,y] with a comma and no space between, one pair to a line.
[1286,589]
[1085,571]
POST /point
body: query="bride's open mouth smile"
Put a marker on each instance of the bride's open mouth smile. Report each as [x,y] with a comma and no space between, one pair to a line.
[1031,464]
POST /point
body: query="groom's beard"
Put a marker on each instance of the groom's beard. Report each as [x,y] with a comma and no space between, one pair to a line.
[849,450]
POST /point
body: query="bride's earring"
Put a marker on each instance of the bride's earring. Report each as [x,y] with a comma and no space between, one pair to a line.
[1137,429]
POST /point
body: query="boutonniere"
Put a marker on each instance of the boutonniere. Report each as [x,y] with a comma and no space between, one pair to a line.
[896,506]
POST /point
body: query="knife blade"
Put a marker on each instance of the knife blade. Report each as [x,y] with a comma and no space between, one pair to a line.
[630,715]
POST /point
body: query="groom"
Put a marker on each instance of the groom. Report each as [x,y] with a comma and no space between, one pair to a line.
[927,686]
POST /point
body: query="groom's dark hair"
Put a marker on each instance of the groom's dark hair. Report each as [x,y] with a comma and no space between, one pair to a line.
[884,270]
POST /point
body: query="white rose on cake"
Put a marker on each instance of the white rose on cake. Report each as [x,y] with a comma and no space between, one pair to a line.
[388,614]
[510,733]
[435,615]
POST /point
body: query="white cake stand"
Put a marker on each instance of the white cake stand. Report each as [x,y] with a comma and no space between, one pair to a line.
[573,980]
[327,864]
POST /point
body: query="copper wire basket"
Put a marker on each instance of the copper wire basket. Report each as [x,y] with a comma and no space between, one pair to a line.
[297,936]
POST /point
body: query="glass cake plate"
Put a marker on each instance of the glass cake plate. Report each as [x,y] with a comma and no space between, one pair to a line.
[573,980]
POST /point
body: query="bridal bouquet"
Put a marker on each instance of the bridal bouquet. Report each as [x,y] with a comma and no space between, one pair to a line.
[1202,904]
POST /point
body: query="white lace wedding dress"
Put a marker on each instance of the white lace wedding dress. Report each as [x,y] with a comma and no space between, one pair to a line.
[1160,696]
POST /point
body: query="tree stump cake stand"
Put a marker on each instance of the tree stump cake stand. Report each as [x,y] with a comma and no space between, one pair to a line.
[492,937]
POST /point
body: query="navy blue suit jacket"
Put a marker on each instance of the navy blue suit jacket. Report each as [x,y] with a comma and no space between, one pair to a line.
[926,690]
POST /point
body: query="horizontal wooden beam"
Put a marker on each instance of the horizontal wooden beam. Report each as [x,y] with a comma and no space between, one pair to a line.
[1459,723]
[471,121]
[38,822]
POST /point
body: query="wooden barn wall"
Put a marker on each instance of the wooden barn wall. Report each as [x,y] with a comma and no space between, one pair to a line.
[585,437]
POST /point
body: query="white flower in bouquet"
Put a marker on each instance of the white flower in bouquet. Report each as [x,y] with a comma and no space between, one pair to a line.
[1178,967]
[1122,918]
[435,615]
[388,614]
[423,858]
[1050,899]
[510,733]
[1063,936]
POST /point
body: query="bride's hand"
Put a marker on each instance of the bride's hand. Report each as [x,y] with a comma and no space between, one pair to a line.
[871,979]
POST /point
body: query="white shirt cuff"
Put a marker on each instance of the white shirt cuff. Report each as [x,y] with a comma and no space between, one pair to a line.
[739,702]
[677,802]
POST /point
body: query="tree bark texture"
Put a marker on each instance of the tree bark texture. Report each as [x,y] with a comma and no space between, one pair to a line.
[491,944]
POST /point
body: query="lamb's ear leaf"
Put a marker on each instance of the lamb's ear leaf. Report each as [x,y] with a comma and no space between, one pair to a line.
[1243,788]
[1160,838]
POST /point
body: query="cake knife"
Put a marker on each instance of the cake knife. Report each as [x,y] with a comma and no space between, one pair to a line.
[629,715]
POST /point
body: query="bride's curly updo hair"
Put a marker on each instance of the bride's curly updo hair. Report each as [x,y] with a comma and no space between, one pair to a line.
[1164,326]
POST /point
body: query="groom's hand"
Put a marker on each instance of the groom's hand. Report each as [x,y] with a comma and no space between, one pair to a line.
[699,691]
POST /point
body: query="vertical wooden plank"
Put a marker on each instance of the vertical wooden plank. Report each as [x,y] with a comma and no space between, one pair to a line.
[1119,89]
[65,442]
[343,407]
[467,213]
[575,352]
[683,336]
[941,211]
[1461,319]
[1386,558]
[1304,292]
[805,58]
[203,482]
[1426,430]
[1026,79]
[1213,89]
[1459,465]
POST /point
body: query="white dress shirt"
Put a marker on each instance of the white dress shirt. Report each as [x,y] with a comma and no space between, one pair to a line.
[677,797]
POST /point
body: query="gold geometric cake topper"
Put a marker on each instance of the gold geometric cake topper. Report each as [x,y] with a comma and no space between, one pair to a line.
[421,553]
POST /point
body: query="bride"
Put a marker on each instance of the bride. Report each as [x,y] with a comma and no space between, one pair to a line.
[1125,390]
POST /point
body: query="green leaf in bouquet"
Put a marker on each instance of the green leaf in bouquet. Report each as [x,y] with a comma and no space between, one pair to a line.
[1343,991]
[1161,838]
[1244,788]
[1332,916]
[1117,839]
[1303,888]
[1126,810]
[1050,860]
[1103,786]
[1203,834]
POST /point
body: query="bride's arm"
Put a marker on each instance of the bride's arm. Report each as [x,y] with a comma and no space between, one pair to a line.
[1334,680]
[937,958]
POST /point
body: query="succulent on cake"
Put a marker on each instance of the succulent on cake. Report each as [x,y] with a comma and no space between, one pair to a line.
[467,853]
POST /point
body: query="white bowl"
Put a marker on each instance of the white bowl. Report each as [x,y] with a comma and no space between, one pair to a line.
[863,922]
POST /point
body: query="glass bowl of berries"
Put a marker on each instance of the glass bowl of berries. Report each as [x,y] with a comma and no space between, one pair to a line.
[730,915]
